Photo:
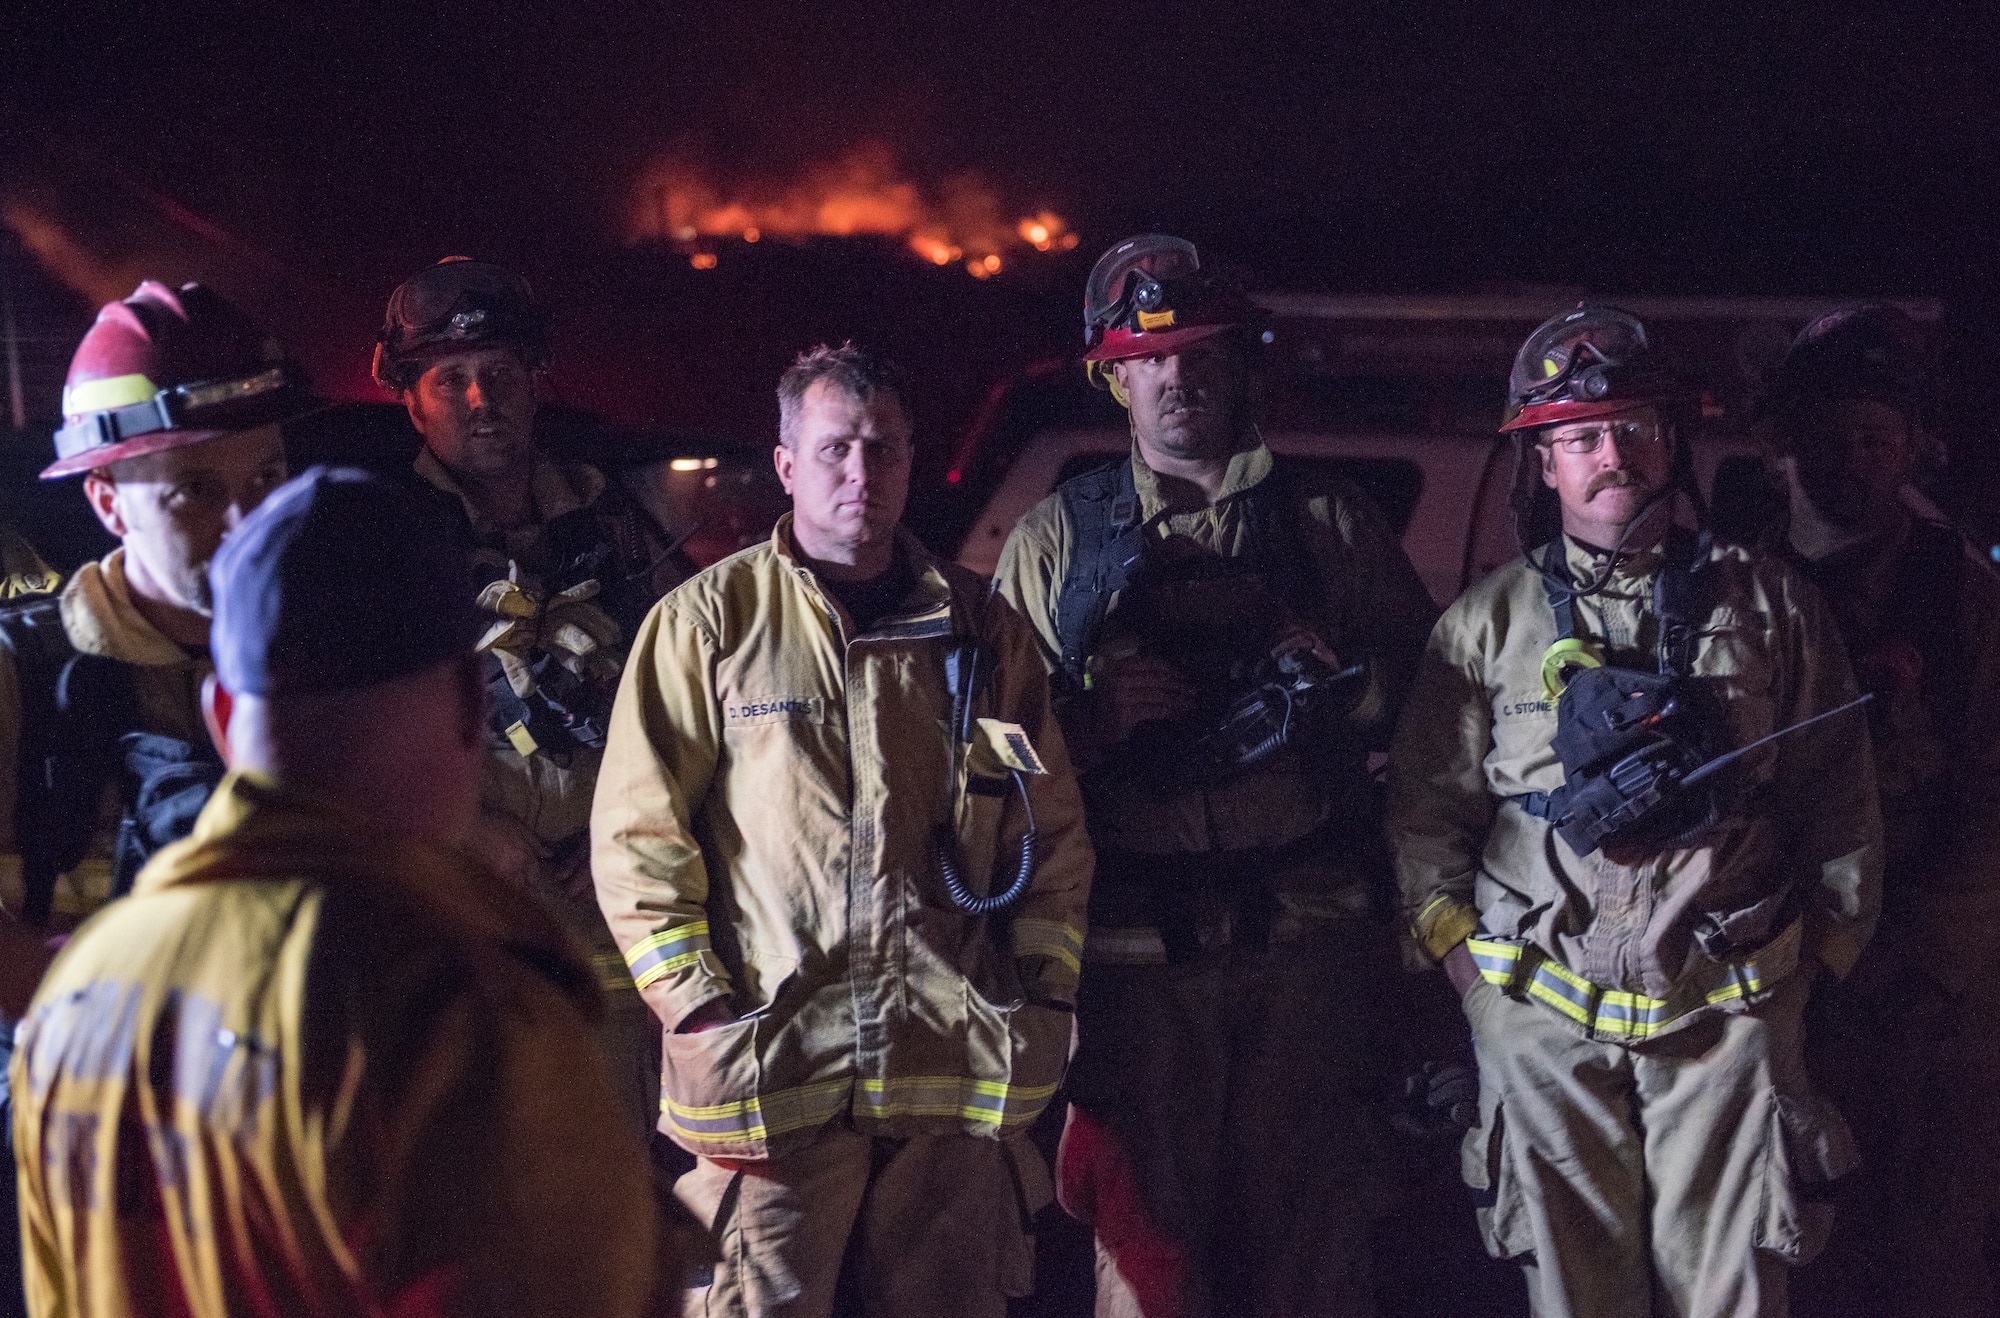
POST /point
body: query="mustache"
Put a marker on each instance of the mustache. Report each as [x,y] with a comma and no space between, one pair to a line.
[1612,480]
[1182,400]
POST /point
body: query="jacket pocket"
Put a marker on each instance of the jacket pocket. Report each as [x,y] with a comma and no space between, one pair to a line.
[1501,1207]
[1808,1144]
[709,1091]
[1016,1055]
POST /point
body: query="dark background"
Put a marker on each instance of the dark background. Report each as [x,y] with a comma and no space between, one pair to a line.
[306,161]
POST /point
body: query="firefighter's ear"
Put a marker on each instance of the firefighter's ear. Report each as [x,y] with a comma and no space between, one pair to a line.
[216,707]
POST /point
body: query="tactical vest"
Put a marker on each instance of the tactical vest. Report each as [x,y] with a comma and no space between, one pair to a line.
[1110,548]
[80,730]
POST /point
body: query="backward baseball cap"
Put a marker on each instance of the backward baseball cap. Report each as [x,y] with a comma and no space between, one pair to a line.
[339,579]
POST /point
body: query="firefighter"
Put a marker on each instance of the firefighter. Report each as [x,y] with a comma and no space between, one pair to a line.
[1634,936]
[171,415]
[320,1062]
[837,836]
[1908,1047]
[1229,636]
[565,565]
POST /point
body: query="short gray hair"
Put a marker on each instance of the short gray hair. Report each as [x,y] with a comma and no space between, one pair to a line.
[856,372]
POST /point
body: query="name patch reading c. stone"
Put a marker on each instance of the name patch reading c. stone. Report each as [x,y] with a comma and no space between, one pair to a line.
[1531,708]
[774,709]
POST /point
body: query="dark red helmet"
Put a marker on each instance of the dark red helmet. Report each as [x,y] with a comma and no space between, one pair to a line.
[1870,351]
[1591,362]
[163,369]
[455,305]
[1149,295]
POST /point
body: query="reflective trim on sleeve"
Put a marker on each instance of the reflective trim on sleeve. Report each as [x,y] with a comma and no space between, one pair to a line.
[659,955]
[1049,938]
[750,1119]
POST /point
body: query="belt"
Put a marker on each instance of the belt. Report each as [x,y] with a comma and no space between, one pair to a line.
[1517,966]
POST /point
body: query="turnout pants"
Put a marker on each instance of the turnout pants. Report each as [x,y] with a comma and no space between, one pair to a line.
[1222,1147]
[923,1227]
[1654,1178]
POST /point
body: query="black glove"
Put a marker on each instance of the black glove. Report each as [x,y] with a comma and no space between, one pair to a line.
[1438,1098]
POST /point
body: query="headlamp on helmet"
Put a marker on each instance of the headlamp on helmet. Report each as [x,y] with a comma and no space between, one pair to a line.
[1590,362]
[1149,296]
[166,368]
[457,305]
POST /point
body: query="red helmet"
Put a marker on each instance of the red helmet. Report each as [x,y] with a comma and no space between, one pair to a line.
[164,369]
[1147,295]
[458,304]
[1591,362]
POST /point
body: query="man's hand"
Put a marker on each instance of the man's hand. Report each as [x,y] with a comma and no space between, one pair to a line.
[1461,969]
[1295,636]
[1135,689]
[707,1016]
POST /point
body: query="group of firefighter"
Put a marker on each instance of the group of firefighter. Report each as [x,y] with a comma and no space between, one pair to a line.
[425,892]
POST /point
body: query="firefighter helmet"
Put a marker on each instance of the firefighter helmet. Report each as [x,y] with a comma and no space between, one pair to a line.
[455,305]
[167,368]
[1590,362]
[1869,351]
[1149,295]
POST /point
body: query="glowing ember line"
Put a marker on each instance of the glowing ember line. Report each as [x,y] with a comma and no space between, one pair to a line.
[865,192]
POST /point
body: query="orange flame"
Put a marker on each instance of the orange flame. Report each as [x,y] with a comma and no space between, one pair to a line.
[863,192]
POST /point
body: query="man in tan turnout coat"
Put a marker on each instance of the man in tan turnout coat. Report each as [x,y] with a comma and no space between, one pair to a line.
[824,749]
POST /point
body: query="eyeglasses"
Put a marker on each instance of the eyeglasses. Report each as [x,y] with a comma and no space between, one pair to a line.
[1588,437]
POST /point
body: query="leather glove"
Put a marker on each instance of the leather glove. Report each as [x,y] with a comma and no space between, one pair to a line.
[565,626]
[1438,1098]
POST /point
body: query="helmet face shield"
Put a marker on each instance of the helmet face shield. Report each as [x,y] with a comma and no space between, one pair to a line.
[1591,362]
[1126,280]
[1567,353]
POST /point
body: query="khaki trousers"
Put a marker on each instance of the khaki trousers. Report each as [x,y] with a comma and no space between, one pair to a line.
[929,1226]
[1650,1179]
[1238,1089]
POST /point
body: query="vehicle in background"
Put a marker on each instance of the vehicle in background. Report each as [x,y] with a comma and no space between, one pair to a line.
[1402,396]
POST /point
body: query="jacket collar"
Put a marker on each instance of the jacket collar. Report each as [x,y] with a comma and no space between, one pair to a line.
[925,611]
[100,617]
[1246,469]
[554,489]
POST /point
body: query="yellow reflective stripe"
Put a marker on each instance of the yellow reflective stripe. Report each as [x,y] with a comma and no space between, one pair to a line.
[1615,1011]
[658,955]
[611,972]
[103,395]
[1498,962]
[755,1118]
[1050,938]
[991,1102]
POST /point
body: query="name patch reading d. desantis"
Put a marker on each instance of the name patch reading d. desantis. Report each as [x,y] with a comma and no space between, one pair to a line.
[772,709]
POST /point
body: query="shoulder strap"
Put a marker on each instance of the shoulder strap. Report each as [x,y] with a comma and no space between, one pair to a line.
[1103,508]
[1560,589]
[1676,598]
[1280,549]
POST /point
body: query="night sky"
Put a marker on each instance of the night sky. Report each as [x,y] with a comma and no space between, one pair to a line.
[305,161]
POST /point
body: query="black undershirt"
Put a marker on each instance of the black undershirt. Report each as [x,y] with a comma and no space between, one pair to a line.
[868,601]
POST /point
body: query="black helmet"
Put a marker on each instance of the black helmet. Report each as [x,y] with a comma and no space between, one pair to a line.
[1870,351]
[458,303]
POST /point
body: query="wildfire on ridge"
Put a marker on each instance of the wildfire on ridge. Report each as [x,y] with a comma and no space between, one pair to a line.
[863,192]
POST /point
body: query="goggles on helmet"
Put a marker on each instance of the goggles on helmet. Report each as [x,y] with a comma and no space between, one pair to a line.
[458,303]
[1590,362]
[1148,295]
[236,403]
